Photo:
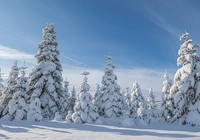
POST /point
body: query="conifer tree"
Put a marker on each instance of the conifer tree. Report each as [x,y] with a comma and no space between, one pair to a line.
[9,90]
[136,99]
[85,111]
[96,96]
[151,99]
[18,104]
[65,100]
[45,80]
[127,97]
[111,104]
[72,99]
[1,85]
[183,91]
[167,101]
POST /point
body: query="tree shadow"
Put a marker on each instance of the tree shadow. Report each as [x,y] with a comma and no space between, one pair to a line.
[120,130]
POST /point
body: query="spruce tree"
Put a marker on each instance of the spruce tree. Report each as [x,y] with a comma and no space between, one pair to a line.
[183,89]
[136,99]
[65,100]
[96,96]
[9,90]
[111,104]
[45,80]
[1,85]
[151,99]
[85,111]
[167,101]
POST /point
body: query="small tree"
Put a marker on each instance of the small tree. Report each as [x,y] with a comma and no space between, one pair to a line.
[85,111]
[65,100]
[1,85]
[167,101]
[151,99]
[96,96]
[9,90]
[136,98]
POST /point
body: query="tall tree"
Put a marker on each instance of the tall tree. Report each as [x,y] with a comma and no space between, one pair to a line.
[9,90]
[45,80]
[183,91]
[111,97]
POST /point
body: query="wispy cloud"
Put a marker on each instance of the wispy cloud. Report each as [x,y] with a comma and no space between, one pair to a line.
[73,60]
[16,34]
[13,54]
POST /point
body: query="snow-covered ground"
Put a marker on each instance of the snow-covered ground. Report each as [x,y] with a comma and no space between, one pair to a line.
[61,131]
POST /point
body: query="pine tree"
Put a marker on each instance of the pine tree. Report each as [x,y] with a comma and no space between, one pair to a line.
[9,90]
[85,111]
[65,100]
[1,85]
[96,96]
[127,97]
[136,99]
[151,99]
[183,91]
[72,100]
[34,109]
[111,104]
[46,77]
[167,101]
[18,105]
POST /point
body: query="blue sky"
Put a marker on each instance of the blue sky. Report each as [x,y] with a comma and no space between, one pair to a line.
[140,35]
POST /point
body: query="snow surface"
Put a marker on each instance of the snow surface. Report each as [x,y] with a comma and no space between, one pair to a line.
[61,131]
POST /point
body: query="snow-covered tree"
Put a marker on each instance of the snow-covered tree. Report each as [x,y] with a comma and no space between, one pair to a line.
[167,101]
[96,96]
[34,109]
[111,104]
[136,99]
[45,80]
[57,117]
[18,104]
[65,100]
[127,97]
[1,85]
[85,111]
[183,89]
[9,90]
[151,101]
[72,100]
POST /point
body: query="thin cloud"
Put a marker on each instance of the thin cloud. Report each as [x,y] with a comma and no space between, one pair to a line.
[73,60]
[25,38]
[13,54]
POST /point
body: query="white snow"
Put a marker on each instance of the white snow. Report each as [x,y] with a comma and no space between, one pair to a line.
[46,130]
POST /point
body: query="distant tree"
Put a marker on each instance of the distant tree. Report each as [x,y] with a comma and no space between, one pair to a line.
[65,100]
[85,111]
[96,96]
[151,101]
[111,104]
[167,101]
[9,90]
[45,80]
[136,99]
[1,85]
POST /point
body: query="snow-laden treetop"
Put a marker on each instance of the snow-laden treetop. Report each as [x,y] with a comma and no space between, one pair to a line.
[84,87]
[187,51]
